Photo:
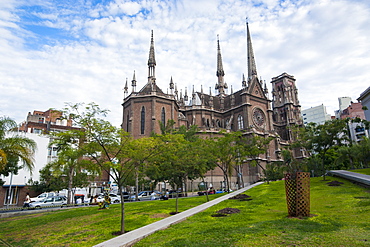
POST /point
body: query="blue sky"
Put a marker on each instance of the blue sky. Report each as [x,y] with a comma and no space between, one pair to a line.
[52,52]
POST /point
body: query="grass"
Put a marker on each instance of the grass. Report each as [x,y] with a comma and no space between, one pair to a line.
[341,217]
[365,171]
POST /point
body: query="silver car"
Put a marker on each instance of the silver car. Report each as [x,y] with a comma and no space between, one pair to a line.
[53,201]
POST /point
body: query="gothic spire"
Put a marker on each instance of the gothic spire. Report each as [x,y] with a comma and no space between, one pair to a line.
[252,70]
[221,85]
[171,85]
[244,83]
[186,98]
[125,88]
[133,82]
[151,60]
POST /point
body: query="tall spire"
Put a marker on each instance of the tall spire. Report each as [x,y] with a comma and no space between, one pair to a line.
[133,82]
[125,89]
[252,70]
[221,85]
[171,85]
[151,60]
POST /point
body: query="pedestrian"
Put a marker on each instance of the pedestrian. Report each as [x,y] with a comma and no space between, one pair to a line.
[27,201]
[153,196]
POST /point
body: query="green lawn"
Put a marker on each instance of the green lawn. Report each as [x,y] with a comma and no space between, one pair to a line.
[340,217]
[365,171]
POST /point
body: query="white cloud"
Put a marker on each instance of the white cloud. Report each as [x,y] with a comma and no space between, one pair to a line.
[324,44]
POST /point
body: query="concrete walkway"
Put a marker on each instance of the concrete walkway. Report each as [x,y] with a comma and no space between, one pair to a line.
[352,176]
[134,236]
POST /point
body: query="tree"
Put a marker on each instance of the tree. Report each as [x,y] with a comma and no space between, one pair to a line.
[14,147]
[183,157]
[320,139]
[232,149]
[110,148]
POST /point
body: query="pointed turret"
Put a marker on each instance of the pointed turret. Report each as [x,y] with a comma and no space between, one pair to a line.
[133,82]
[151,60]
[176,92]
[244,83]
[252,70]
[125,92]
[171,85]
[210,97]
[220,85]
[186,98]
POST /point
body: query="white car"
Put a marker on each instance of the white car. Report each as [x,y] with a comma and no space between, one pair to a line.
[114,198]
[53,201]
[146,195]
[42,196]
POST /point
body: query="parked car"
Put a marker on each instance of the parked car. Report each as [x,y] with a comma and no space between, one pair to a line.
[146,195]
[126,196]
[114,198]
[56,201]
[43,196]
[172,194]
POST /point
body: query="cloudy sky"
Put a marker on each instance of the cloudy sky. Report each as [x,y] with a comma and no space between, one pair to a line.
[57,51]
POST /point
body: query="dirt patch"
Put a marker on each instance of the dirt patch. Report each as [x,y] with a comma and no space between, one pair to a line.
[241,197]
[159,215]
[301,217]
[334,183]
[117,233]
[226,211]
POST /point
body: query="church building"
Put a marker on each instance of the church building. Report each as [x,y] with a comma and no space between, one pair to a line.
[249,110]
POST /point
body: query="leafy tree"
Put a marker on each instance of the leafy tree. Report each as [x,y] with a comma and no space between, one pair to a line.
[322,140]
[110,148]
[183,157]
[49,181]
[70,163]
[14,147]
[231,149]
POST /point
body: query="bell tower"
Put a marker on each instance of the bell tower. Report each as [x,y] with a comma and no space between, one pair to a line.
[285,105]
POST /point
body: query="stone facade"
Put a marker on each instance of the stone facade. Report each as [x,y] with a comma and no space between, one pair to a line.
[248,110]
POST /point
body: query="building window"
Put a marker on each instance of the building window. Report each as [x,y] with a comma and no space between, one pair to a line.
[37,131]
[163,117]
[218,123]
[240,122]
[127,123]
[142,121]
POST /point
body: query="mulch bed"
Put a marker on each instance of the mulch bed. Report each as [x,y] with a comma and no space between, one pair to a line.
[242,197]
[334,183]
[225,212]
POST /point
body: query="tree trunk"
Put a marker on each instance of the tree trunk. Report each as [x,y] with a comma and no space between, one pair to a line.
[70,184]
[122,213]
[136,184]
[177,199]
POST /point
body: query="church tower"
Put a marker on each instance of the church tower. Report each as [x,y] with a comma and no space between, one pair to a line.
[285,104]
[144,110]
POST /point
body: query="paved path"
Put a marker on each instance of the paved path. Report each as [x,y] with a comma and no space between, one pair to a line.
[353,176]
[134,236]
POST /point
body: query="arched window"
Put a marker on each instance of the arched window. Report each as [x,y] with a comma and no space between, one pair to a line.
[127,122]
[163,117]
[240,122]
[218,123]
[142,121]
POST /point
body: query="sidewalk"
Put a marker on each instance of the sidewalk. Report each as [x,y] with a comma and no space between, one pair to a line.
[134,236]
[352,176]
